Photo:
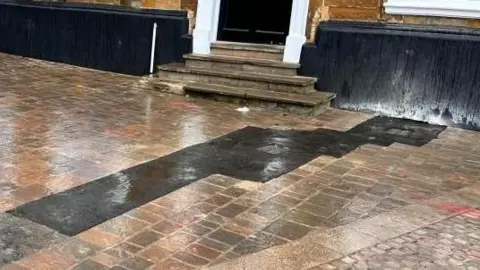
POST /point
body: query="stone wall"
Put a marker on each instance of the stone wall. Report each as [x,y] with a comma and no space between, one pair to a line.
[320,10]
[371,10]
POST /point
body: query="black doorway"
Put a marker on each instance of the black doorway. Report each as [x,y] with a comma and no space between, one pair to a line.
[254,21]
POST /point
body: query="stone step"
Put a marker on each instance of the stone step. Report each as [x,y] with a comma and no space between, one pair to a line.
[290,84]
[225,62]
[249,50]
[311,104]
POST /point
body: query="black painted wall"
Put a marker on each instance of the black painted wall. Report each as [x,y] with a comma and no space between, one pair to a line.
[416,72]
[109,38]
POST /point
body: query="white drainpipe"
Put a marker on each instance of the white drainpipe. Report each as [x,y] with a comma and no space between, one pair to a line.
[152,54]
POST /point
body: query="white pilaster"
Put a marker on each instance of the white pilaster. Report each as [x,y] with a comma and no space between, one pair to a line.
[296,35]
[203,26]
[215,19]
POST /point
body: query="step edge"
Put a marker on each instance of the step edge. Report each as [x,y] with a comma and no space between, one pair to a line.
[248,47]
[246,93]
[242,60]
[265,78]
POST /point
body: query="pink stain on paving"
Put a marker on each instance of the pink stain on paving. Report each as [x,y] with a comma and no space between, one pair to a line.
[458,209]
[183,105]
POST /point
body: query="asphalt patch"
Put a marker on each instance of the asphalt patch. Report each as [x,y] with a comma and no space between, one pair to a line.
[251,153]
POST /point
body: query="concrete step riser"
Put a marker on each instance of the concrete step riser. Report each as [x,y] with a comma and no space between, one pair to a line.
[192,63]
[286,107]
[237,82]
[248,54]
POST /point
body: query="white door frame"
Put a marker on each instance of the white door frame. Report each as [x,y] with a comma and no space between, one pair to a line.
[206,28]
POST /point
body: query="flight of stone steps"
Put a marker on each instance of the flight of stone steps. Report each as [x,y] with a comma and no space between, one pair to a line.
[252,74]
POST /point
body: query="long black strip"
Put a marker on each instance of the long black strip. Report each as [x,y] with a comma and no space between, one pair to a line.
[250,153]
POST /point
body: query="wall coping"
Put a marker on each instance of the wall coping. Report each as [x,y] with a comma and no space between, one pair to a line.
[86,7]
[401,29]
[440,8]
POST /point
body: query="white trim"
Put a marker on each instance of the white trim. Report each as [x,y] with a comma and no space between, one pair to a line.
[206,25]
[296,34]
[215,19]
[202,34]
[441,8]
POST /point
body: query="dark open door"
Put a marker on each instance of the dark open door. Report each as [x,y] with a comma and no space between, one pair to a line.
[254,21]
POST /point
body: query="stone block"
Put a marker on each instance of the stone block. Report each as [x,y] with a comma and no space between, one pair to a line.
[349,13]
[352,3]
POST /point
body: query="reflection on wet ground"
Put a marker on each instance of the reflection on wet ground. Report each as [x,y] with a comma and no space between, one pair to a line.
[385,203]
[251,153]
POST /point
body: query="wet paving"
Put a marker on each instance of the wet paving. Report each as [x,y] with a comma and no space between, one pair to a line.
[250,153]
[98,172]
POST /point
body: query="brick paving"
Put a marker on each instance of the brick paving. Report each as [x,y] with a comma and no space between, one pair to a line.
[69,126]
[453,243]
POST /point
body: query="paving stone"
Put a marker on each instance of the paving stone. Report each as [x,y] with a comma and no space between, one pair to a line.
[260,241]
[144,216]
[165,227]
[145,238]
[234,191]
[99,238]
[226,237]
[304,218]
[219,199]
[213,244]
[105,259]
[137,263]
[221,180]
[382,226]
[190,258]
[177,241]
[269,209]
[172,264]
[287,229]
[335,169]
[197,229]
[123,250]
[231,210]
[76,249]
[90,265]
[155,253]
[203,251]
[380,190]
[285,200]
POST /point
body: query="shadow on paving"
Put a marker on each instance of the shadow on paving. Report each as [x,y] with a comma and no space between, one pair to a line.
[251,153]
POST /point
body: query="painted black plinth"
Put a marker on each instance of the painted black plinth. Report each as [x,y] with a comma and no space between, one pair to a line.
[116,39]
[419,72]
[251,153]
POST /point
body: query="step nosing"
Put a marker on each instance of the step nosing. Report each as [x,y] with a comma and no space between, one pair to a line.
[242,60]
[248,47]
[292,98]
[279,79]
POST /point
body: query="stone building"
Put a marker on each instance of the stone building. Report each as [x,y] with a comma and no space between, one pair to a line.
[464,13]
[402,58]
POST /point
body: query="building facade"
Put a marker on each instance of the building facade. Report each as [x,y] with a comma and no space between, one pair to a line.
[401,58]
[464,13]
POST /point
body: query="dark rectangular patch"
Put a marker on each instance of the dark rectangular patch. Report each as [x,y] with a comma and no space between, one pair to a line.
[250,153]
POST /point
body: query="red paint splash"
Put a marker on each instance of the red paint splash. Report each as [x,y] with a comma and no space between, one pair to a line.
[458,209]
[183,105]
